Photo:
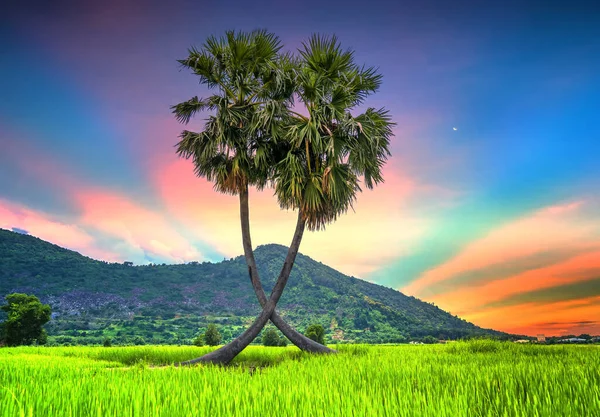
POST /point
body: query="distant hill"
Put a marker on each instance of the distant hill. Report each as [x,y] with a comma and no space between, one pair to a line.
[94,299]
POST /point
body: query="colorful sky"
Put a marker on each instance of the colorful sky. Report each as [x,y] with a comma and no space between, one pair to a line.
[497,221]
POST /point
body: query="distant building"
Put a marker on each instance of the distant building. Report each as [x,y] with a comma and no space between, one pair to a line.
[541,338]
[522,341]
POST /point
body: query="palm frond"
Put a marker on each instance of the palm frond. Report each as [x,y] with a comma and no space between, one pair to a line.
[185,110]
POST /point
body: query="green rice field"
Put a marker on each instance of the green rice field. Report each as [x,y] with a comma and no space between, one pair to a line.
[476,378]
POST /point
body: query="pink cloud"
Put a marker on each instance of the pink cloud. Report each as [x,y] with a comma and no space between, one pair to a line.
[562,208]
[141,228]
[45,227]
[562,227]
[356,244]
[106,212]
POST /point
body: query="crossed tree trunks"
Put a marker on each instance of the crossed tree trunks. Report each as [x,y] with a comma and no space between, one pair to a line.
[226,353]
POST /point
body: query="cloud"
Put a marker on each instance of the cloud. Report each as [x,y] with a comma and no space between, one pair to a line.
[562,208]
[533,318]
[356,244]
[44,226]
[480,277]
[552,229]
[570,323]
[142,229]
[539,265]
[579,268]
[110,225]
[587,283]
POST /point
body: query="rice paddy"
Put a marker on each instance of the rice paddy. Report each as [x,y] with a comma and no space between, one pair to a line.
[476,378]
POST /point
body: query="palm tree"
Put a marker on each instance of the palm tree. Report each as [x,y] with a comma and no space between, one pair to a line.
[330,150]
[327,152]
[253,91]
[317,159]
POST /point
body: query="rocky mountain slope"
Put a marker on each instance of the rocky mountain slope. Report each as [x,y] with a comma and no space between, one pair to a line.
[93,299]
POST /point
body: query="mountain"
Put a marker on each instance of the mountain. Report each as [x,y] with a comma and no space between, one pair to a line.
[94,299]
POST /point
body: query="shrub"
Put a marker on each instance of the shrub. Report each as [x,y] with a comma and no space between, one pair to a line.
[315,332]
[212,336]
[270,337]
[107,342]
[199,340]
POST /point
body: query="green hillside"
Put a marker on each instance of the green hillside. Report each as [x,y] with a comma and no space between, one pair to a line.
[93,299]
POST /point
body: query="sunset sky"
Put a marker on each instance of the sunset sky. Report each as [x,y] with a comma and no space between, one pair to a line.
[497,221]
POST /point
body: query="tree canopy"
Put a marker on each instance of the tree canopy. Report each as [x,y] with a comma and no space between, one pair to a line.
[286,120]
[315,332]
[252,88]
[328,150]
[270,337]
[26,316]
[212,336]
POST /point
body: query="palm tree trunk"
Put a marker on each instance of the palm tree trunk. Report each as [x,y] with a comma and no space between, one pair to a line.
[226,353]
[295,337]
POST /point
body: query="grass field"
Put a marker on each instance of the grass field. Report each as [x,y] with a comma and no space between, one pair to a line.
[477,378]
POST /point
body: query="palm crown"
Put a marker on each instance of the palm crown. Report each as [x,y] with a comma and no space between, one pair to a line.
[330,150]
[315,162]
[252,84]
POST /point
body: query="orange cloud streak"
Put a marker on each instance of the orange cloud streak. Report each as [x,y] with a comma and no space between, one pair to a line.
[471,299]
[559,318]
[560,227]
[547,229]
